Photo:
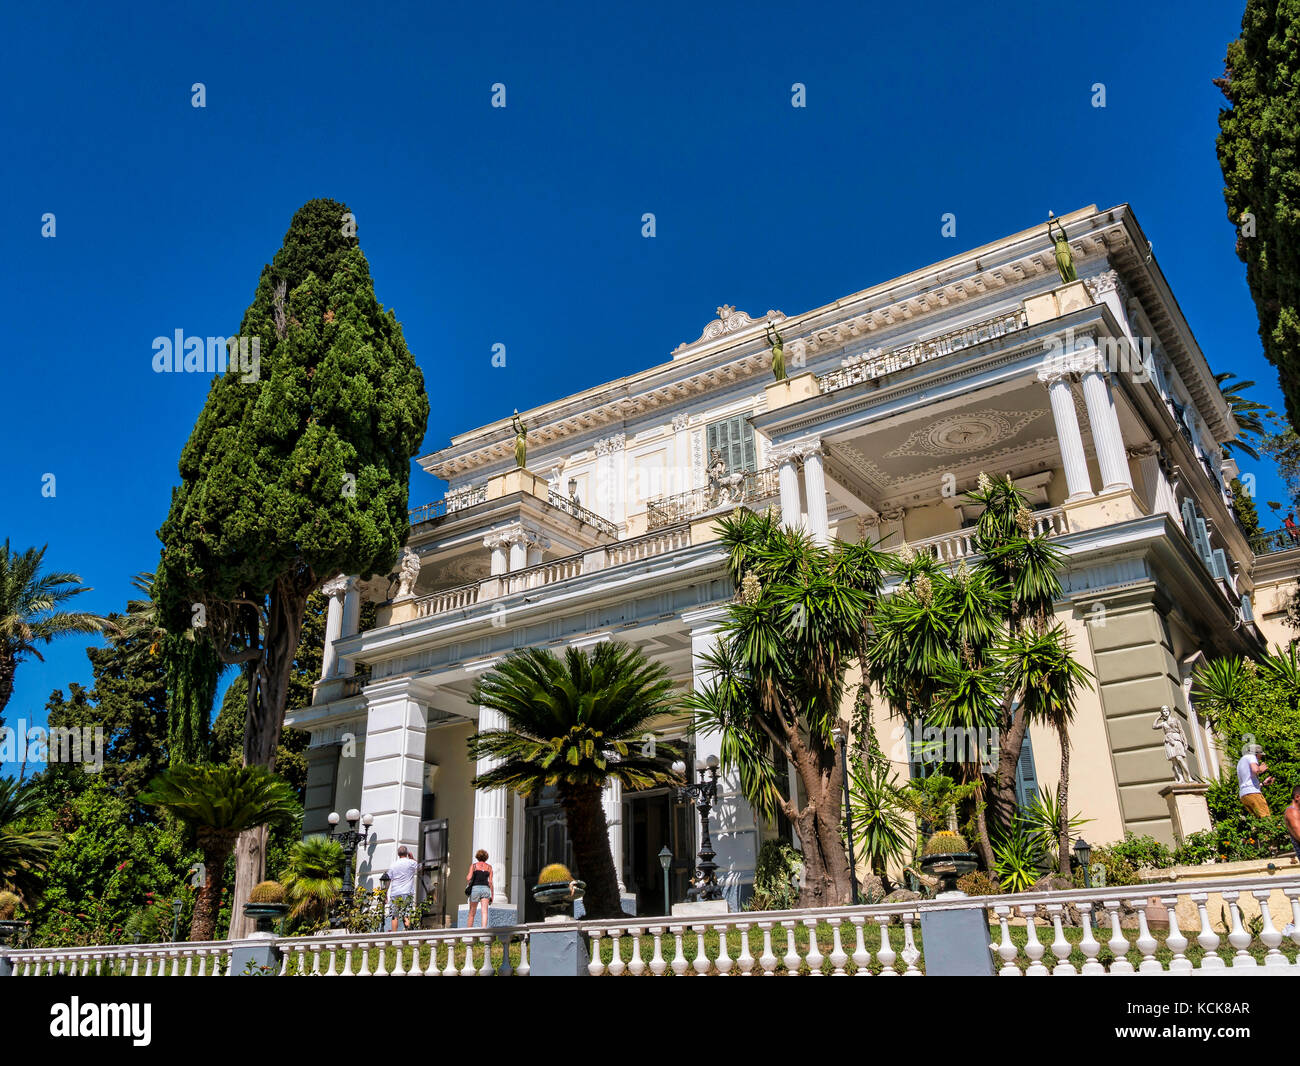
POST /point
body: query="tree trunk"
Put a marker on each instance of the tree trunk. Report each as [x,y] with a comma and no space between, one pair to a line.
[1003,798]
[268,691]
[1063,804]
[591,853]
[984,844]
[207,906]
[827,882]
[7,667]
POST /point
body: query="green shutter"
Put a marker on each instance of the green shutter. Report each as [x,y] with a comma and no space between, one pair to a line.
[734,438]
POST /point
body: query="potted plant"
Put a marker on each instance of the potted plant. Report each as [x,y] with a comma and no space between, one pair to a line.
[266,904]
[947,856]
[557,889]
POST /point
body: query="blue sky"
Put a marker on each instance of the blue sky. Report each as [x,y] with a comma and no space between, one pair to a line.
[522,225]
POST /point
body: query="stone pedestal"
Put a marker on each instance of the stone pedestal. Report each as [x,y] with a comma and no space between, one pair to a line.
[1188,810]
[701,908]
[956,942]
[1104,509]
[499,915]
[557,949]
[791,390]
[517,480]
[255,957]
[626,900]
[6,967]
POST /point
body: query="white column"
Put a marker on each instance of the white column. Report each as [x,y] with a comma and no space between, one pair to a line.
[612,800]
[788,478]
[537,544]
[334,589]
[1075,462]
[814,482]
[518,550]
[1107,438]
[490,813]
[392,779]
[351,622]
[500,546]
[732,828]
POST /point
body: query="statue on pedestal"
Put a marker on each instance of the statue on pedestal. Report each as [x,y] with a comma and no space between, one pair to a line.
[1064,257]
[521,440]
[778,352]
[1175,743]
[724,488]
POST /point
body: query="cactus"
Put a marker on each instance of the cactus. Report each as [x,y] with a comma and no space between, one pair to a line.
[267,892]
[555,874]
[8,906]
[946,843]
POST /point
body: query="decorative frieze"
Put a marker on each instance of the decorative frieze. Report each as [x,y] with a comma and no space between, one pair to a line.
[609,445]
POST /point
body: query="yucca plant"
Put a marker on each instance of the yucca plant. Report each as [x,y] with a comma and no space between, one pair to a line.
[1043,819]
[572,722]
[1017,859]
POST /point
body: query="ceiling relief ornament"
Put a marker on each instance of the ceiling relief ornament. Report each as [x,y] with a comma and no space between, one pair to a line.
[729,320]
[961,434]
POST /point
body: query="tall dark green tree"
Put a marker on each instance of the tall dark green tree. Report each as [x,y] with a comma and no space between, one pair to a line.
[1259,153]
[297,470]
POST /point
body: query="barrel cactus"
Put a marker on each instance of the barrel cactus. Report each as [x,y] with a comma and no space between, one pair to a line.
[555,874]
[946,843]
[267,892]
[8,906]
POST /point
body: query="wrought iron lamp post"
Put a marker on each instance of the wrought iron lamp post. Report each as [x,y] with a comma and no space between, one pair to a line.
[704,793]
[665,861]
[842,742]
[351,838]
[178,905]
[1083,856]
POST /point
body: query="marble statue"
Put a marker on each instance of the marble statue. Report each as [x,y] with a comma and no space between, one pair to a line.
[521,440]
[1175,743]
[1064,257]
[724,488]
[408,572]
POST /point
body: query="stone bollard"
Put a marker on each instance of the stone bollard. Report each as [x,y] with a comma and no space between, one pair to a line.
[257,956]
[6,967]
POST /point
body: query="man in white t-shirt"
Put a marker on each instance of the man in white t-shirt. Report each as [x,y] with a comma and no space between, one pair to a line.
[401,886]
[1249,767]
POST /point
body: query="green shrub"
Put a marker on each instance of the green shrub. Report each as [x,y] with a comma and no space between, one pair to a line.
[1236,839]
[1124,858]
[978,883]
[776,877]
[9,902]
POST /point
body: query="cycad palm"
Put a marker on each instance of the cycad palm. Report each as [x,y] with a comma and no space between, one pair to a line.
[29,611]
[24,853]
[571,723]
[219,803]
[312,882]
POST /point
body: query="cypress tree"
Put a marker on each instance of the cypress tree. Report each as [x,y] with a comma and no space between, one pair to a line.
[1259,153]
[297,470]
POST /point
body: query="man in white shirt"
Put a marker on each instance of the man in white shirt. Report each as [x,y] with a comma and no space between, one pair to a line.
[1249,767]
[401,886]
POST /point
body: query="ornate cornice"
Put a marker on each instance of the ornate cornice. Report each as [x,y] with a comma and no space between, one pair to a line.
[336,586]
[609,445]
[729,320]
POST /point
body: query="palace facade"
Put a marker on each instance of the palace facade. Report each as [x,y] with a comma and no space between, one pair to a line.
[1093,395]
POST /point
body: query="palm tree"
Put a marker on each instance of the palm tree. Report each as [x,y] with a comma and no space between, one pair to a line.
[24,853]
[571,723]
[219,803]
[312,881]
[29,614]
[1245,410]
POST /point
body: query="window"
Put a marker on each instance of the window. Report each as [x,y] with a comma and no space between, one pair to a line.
[734,438]
[1026,775]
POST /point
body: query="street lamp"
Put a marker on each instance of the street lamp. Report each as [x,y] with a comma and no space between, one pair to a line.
[841,741]
[177,905]
[1082,856]
[705,794]
[350,838]
[665,861]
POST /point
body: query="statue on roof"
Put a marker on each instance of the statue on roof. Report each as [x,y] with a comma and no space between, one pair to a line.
[1063,256]
[778,352]
[521,440]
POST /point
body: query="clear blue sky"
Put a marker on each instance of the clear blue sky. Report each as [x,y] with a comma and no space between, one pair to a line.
[522,226]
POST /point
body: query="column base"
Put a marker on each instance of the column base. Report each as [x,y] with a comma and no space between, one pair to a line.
[499,914]
[1105,509]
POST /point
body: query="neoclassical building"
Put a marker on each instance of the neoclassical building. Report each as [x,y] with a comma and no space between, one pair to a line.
[1093,395]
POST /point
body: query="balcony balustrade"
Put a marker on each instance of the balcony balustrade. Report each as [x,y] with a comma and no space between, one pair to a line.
[449,504]
[753,487]
[1277,540]
[953,547]
[878,364]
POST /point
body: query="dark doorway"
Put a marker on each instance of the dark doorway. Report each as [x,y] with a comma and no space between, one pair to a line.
[653,819]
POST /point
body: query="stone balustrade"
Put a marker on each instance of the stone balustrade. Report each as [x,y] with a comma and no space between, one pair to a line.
[958,545]
[1227,926]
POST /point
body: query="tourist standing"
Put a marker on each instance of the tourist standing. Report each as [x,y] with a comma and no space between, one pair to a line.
[478,882]
[401,887]
[1249,767]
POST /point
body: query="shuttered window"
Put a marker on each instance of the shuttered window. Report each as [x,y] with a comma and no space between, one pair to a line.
[734,438]
[1026,775]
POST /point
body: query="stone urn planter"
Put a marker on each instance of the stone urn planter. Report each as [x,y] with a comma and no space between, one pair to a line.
[557,890]
[947,858]
[266,905]
[13,933]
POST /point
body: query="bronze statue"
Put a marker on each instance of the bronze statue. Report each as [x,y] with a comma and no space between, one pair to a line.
[521,440]
[778,352]
[1064,257]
